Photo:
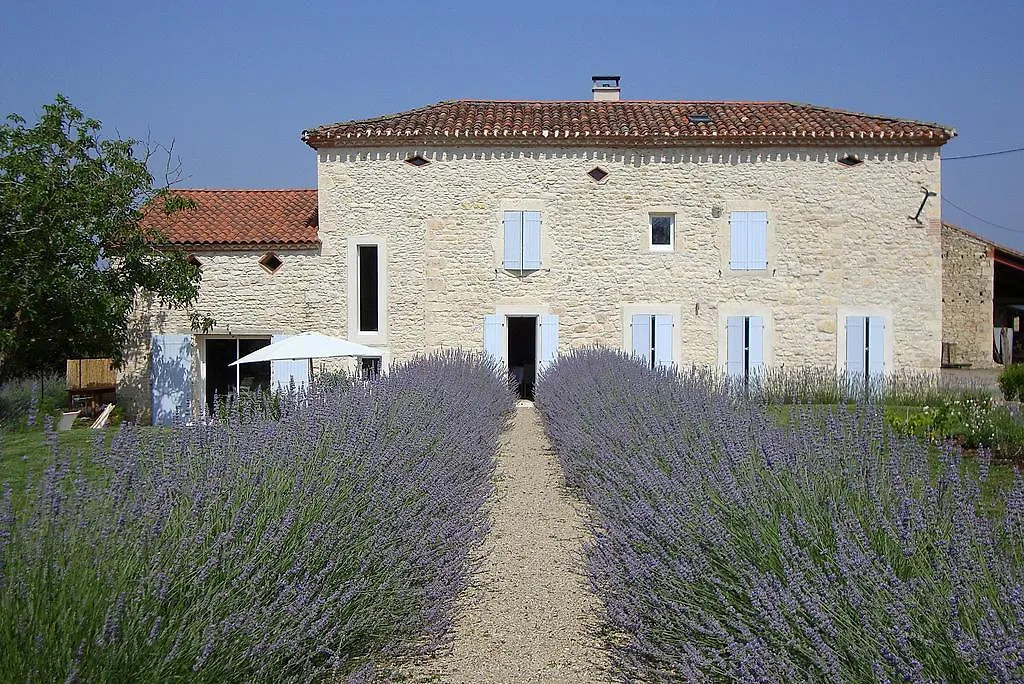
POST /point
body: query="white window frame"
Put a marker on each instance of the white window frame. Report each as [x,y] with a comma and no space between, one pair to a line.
[670,247]
[378,337]
[675,311]
[200,387]
[746,310]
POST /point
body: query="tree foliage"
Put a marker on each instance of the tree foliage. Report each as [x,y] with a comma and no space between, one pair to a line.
[74,256]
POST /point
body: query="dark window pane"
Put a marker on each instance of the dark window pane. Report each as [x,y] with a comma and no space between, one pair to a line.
[369,367]
[368,288]
[661,230]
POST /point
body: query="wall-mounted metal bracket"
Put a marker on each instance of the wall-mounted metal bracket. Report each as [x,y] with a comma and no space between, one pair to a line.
[924,200]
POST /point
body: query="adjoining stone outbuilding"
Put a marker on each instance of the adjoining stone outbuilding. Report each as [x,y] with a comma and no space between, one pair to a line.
[725,234]
[982,301]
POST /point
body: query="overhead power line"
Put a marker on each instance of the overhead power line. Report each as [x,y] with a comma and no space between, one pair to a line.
[978,218]
[984,154]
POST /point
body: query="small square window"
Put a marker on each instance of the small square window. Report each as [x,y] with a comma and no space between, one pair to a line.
[662,229]
[597,173]
[270,262]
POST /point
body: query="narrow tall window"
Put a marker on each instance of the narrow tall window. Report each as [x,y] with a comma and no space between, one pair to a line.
[369,296]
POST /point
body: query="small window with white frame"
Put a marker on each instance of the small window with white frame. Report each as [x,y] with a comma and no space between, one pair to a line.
[662,232]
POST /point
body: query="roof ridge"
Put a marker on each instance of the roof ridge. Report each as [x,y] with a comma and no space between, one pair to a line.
[243,189]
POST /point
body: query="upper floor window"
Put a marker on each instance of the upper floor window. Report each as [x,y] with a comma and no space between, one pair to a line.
[522,241]
[663,228]
[748,240]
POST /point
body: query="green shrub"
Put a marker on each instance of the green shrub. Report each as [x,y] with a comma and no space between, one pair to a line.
[23,401]
[1011,382]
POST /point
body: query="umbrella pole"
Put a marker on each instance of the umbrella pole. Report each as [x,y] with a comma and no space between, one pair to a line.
[311,372]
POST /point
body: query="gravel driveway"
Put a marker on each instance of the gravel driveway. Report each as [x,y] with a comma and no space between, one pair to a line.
[528,616]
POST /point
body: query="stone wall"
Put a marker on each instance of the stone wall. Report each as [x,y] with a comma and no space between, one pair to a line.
[840,239]
[967,293]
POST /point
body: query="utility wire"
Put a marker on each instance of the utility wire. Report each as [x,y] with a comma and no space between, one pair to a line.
[984,154]
[978,218]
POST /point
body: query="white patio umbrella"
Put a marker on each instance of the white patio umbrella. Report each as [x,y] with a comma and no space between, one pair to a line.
[309,345]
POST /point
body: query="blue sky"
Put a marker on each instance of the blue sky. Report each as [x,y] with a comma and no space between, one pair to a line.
[234,83]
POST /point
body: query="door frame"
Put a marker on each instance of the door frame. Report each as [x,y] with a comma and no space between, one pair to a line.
[522,311]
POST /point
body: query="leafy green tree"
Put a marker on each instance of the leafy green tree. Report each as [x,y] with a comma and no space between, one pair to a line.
[74,256]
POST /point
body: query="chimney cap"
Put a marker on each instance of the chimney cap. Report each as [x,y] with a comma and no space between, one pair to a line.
[613,81]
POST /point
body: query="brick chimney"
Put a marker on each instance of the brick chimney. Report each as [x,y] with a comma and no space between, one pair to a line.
[606,88]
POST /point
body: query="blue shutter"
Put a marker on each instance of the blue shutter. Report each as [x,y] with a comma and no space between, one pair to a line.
[283,372]
[513,259]
[734,346]
[531,240]
[855,345]
[492,336]
[755,345]
[662,340]
[757,236]
[171,372]
[738,241]
[548,340]
[642,337]
[876,345]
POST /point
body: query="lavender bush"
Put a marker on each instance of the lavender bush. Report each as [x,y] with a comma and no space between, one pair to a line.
[316,545]
[727,547]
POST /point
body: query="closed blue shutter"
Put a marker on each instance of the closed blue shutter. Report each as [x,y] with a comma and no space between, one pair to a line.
[492,336]
[876,345]
[662,340]
[548,340]
[757,236]
[734,346]
[531,240]
[513,259]
[642,337]
[755,345]
[855,344]
[171,373]
[283,372]
[738,241]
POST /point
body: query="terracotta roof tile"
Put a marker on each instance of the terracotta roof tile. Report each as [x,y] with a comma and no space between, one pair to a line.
[240,219]
[627,123]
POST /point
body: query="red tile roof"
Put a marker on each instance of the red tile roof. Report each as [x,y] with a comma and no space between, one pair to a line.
[627,123]
[239,219]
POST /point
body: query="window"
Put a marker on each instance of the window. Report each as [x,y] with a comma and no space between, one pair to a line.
[663,228]
[224,380]
[271,262]
[652,338]
[865,347]
[748,240]
[369,304]
[522,241]
[417,160]
[597,173]
[744,337]
[369,367]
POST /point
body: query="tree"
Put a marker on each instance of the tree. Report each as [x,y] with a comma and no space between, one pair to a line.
[74,255]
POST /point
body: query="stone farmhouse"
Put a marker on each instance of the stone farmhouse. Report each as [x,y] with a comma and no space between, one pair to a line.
[737,235]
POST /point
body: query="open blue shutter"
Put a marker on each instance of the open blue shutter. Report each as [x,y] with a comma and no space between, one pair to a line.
[662,340]
[642,337]
[855,344]
[738,241]
[755,345]
[876,345]
[548,340]
[492,336]
[531,240]
[734,346]
[283,372]
[171,373]
[757,236]
[513,259]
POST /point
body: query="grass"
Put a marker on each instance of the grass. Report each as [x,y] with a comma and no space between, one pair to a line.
[28,454]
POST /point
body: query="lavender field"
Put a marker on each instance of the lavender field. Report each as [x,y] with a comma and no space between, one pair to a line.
[728,547]
[315,545]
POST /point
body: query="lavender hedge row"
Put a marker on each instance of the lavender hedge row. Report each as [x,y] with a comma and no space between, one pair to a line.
[316,545]
[727,547]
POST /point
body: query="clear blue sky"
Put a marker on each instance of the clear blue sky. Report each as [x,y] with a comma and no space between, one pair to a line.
[234,83]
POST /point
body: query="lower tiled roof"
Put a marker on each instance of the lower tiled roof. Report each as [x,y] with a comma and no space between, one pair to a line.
[237,219]
[627,123]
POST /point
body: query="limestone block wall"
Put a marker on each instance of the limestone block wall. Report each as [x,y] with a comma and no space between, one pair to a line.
[840,239]
[967,294]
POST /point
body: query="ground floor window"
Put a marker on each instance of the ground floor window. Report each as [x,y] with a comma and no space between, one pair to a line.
[651,336]
[865,346]
[222,379]
[745,346]
[369,367]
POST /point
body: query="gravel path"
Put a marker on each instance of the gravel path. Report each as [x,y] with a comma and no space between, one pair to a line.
[528,616]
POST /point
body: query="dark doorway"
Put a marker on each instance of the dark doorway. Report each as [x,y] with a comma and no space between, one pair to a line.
[522,353]
[223,380]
